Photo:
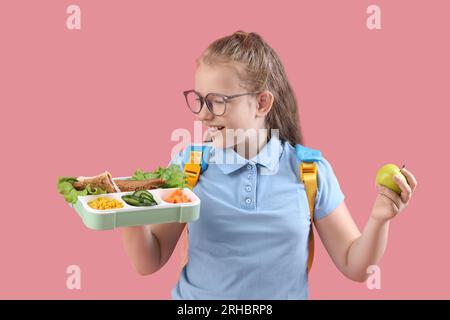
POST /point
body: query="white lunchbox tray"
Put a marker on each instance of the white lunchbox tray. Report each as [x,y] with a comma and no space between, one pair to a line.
[163,212]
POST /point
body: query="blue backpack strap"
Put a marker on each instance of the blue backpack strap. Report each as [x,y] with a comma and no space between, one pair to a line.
[205,151]
[308,175]
[307,154]
[195,161]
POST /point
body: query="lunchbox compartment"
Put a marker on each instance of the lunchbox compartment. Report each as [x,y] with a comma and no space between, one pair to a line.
[163,193]
[86,199]
[152,192]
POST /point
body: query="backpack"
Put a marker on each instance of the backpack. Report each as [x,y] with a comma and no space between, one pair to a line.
[195,163]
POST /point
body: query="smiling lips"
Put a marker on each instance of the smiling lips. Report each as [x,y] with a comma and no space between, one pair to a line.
[215,128]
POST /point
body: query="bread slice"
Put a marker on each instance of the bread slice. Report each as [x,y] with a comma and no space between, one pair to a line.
[103,181]
[135,185]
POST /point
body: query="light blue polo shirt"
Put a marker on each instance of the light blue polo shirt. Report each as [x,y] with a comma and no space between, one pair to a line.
[251,239]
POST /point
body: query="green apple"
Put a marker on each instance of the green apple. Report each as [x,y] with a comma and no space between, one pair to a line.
[385,177]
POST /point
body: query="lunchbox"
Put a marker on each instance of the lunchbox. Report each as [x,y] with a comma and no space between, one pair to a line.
[162,212]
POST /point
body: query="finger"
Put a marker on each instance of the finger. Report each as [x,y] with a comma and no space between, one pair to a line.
[406,191]
[410,177]
[391,195]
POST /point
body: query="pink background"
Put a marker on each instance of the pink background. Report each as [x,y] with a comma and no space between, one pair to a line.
[108,97]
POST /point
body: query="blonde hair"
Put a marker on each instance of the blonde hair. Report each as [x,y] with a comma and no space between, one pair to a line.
[260,69]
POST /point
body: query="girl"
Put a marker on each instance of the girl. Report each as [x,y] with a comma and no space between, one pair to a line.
[251,240]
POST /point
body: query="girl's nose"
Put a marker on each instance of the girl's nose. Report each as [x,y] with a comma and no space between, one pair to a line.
[205,114]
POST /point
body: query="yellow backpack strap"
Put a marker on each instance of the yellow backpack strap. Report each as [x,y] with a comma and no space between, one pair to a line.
[195,162]
[194,165]
[192,168]
[308,175]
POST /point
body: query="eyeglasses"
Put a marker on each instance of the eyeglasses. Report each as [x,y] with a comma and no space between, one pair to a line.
[215,102]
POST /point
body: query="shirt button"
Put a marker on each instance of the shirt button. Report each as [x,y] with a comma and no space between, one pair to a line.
[249,167]
[249,176]
[248,188]
[248,200]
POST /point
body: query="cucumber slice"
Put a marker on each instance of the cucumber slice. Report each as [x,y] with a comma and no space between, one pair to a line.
[131,200]
[147,196]
[142,201]
[144,194]
[146,202]
[141,192]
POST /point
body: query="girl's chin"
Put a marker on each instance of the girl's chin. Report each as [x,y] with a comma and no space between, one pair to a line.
[218,140]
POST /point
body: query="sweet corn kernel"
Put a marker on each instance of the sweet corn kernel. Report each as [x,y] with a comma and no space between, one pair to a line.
[102,203]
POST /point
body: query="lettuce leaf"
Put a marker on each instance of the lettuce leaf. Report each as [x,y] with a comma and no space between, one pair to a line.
[172,175]
[65,187]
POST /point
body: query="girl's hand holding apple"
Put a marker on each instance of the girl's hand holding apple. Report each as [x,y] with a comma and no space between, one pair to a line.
[395,188]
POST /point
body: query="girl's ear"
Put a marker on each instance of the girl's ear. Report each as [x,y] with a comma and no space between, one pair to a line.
[265,102]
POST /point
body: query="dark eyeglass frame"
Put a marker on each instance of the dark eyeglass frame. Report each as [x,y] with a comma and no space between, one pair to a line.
[210,107]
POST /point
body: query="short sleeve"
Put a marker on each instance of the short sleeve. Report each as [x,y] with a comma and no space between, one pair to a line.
[329,193]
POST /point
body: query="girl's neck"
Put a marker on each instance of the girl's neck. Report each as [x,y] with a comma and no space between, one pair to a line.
[253,145]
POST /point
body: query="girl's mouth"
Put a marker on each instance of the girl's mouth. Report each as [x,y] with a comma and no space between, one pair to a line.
[213,129]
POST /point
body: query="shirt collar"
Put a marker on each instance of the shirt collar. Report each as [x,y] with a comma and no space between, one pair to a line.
[229,160]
